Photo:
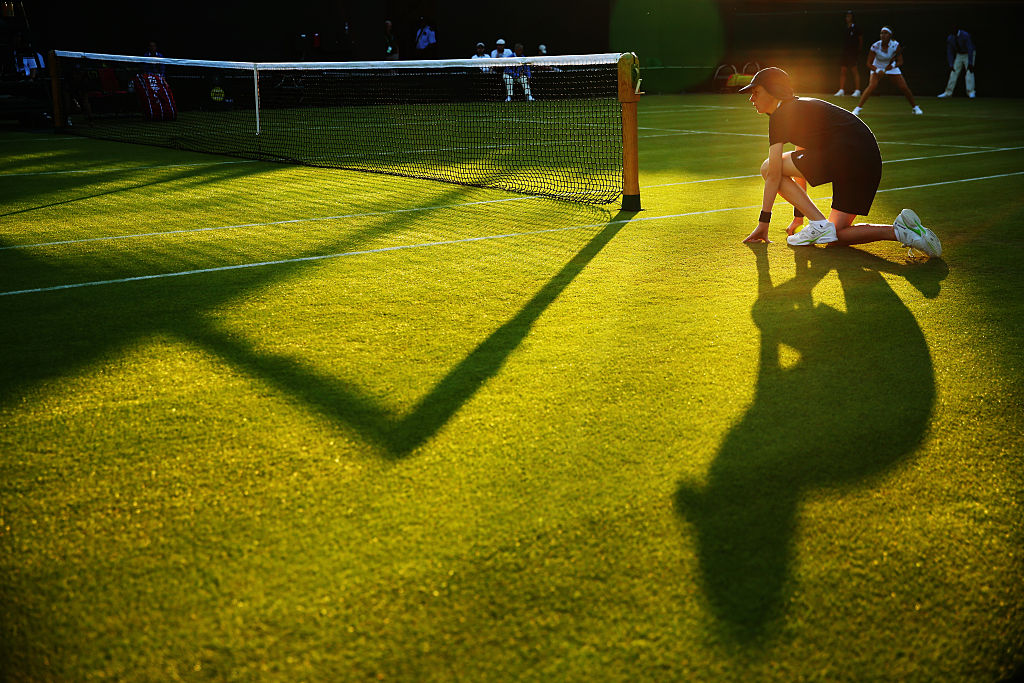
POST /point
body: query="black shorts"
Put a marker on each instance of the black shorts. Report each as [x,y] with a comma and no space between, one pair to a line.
[854,171]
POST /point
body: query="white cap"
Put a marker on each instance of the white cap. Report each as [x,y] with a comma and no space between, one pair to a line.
[500,41]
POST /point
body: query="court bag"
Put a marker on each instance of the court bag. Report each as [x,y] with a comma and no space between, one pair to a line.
[155,97]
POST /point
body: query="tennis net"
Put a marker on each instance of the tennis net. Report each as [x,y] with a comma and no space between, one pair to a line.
[549,126]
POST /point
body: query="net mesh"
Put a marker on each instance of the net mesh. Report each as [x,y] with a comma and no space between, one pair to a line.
[545,126]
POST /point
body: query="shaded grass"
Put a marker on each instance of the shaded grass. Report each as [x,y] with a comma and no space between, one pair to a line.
[608,470]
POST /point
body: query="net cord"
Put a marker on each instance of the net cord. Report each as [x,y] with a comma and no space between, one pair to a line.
[493,62]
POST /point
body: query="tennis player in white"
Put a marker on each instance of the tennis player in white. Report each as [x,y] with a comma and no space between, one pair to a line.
[884,59]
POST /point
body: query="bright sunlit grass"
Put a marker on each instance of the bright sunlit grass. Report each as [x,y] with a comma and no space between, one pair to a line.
[510,440]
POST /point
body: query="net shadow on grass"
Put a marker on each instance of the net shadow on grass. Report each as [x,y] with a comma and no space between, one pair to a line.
[853,407]
[399,436]
[55,334]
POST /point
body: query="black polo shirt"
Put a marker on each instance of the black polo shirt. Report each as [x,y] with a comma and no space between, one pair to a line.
[816,124]
[851,40]
[839,148]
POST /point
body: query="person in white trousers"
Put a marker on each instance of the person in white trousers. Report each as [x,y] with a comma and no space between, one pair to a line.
[960,56]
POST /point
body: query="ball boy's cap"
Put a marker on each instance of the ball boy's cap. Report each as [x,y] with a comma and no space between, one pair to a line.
[774,80]
[500,41]
[480,45]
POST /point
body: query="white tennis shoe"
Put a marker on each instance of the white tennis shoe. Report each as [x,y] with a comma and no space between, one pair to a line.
[856,111]
[917,110]
[839,93]
[912,234]
[816,232]
[856,93]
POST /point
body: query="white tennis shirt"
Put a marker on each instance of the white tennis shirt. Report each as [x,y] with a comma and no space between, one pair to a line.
[884,56]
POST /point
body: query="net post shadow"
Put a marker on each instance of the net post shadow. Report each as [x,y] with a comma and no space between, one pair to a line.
[487,359]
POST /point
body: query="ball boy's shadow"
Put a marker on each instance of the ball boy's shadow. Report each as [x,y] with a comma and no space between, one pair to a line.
[856,402]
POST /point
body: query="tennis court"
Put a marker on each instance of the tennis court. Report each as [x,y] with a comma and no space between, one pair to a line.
[277,422]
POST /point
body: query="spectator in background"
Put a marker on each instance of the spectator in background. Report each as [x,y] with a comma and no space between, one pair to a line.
[853,43]
[426,40]
[500,50]
[481,52]
[884,59]
[517,73]
[959,55]
[542,51]
[28,62]
[390,42]
[153,51]
[343,44]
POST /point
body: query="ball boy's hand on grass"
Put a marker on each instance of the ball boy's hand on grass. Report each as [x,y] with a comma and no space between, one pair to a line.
[760,234]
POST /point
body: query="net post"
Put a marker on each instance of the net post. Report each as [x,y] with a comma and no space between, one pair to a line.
[629,86]
[57,93]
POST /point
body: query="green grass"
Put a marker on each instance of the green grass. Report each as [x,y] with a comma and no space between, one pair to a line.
[605,446]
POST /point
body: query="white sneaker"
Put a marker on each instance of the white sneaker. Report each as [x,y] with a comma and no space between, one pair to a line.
[530,98]
[856,93]
[508,99]
[912,234]
[856,111]
[972,95]
[945,94]
[917,110]
[839,93]
[816,232]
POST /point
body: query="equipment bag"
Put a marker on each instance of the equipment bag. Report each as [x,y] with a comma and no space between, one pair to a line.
[155,97]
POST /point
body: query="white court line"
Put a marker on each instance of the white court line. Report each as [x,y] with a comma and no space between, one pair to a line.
[954,154]
[322,257]
[113,169]
[422,208]
[889,161]
[670,132]
[270,223]
[688,182]
[676,109]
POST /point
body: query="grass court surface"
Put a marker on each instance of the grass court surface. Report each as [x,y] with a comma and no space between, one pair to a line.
[285,423]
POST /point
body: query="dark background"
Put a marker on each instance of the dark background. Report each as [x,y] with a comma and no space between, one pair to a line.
[801,36]
[247,31]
